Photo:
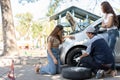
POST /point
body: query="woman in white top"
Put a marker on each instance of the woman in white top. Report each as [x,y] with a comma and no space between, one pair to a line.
[110,22]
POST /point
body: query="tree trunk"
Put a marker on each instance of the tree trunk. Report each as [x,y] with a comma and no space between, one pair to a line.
[10,46]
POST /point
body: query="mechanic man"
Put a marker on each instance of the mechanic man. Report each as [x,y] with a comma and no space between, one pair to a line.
[98,56]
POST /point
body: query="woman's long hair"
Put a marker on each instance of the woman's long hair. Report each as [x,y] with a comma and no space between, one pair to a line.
[107,8]
[54,33]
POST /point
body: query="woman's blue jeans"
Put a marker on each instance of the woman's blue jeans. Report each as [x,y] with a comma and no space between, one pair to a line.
[112,38]
[51,68]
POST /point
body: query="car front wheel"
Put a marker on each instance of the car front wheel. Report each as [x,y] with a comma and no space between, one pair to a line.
[76,52]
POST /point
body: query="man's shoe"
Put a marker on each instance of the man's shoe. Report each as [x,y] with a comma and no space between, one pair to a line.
[100,74]
[113,73]
[108,71]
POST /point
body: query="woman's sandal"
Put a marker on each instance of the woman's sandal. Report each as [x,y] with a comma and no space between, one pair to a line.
[37,69]
[111,72]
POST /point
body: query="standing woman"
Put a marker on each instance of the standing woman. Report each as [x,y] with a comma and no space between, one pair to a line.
[110,22]
[53,41]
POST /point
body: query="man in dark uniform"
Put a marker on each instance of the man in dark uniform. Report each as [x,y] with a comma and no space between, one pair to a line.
[98,56]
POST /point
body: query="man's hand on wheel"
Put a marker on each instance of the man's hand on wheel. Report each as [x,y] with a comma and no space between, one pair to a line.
[77,59]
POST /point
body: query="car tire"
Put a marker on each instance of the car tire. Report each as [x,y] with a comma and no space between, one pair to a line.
[76,73]
[76,52]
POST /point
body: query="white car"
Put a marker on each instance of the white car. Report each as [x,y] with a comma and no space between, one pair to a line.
[71,49]
[79,20]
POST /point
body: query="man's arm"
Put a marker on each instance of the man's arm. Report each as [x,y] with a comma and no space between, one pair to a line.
[83,55]
[86,53]
[79,58]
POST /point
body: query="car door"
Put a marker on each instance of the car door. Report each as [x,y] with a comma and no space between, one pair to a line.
[117,46]
[117,49]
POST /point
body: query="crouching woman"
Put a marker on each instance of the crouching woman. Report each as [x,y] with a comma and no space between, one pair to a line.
[53,42]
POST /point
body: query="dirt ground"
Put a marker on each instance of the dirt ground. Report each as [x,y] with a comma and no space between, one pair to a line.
[24,69]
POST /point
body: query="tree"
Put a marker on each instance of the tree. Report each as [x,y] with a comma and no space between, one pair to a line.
[94,4]
[25,21]
[27,27]
[29,1]
[53,6]
[37,28]
[10,46]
